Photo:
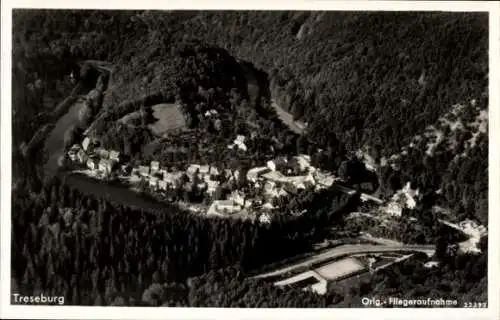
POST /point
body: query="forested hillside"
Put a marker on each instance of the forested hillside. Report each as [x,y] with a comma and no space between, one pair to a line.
[361,81]
[339,71]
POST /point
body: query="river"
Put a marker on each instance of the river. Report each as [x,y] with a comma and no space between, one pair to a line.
[54,144]
[113,192]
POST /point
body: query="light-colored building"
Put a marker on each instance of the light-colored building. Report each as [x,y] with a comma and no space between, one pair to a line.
[86,144]
[238,198]
[254,173]
[162,185]
[102,153]
[114,155]
[222,207]
[106,165]
[302,161]
[212,186]
[192,169]
[271,165]
[265,218]
[155,167]
[153,182]
[173,178]
[72,155]
[82,156]
[204,169]
[143,171]
[92,164]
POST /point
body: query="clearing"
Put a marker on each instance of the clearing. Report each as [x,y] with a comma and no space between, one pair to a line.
[340,268]
[169,117]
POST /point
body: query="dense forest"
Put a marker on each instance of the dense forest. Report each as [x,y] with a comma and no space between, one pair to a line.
[65,241]
[339,72]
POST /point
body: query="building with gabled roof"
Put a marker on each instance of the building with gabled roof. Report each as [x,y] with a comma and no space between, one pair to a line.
[143,171]
[155,167]
[82,156]
[114,155]
[86,143]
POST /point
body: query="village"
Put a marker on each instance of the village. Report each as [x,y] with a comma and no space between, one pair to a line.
[257,198]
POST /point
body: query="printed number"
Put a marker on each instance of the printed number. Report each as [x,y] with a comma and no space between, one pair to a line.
[475,305]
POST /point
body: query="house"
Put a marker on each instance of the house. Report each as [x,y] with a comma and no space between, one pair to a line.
[144,171]
[162,185]
[106,165]
[254,173]
[162,173]
[153,182]
[86,144]
[92,163]
[205,169]
[155,167]
[82,156]
[114,155]
[211,112]
[214,171]
[237,198]
[265,218]
[227,206]
[431,264]
[271,165]
[192,169]
[72,155]
[102,153]
[211,186]
[173,178]
[302,162]
[126,169]
[267,206]
[239,142]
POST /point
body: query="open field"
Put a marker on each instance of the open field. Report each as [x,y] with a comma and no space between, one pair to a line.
[340,268]
[169,118]
[346,250]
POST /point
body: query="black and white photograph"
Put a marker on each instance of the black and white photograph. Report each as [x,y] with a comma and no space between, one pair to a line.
[308,159]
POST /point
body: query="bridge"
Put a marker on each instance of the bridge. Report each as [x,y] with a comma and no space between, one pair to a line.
[347,250]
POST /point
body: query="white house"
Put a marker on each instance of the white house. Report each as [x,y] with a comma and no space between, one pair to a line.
[92,164]
[86,144]
[192,169]
[265,218]
[144,171]
[82,156]
[254,173]
[114,155]
[106,165]
[271,165]
[204,169]
[162,184]
[153,182]
[155,167]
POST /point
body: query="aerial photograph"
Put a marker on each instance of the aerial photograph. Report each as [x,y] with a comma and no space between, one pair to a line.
[249,158]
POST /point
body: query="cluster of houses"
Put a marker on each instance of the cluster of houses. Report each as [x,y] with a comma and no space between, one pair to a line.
[272,185]
[268,181]
[97,159]
[160,178]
